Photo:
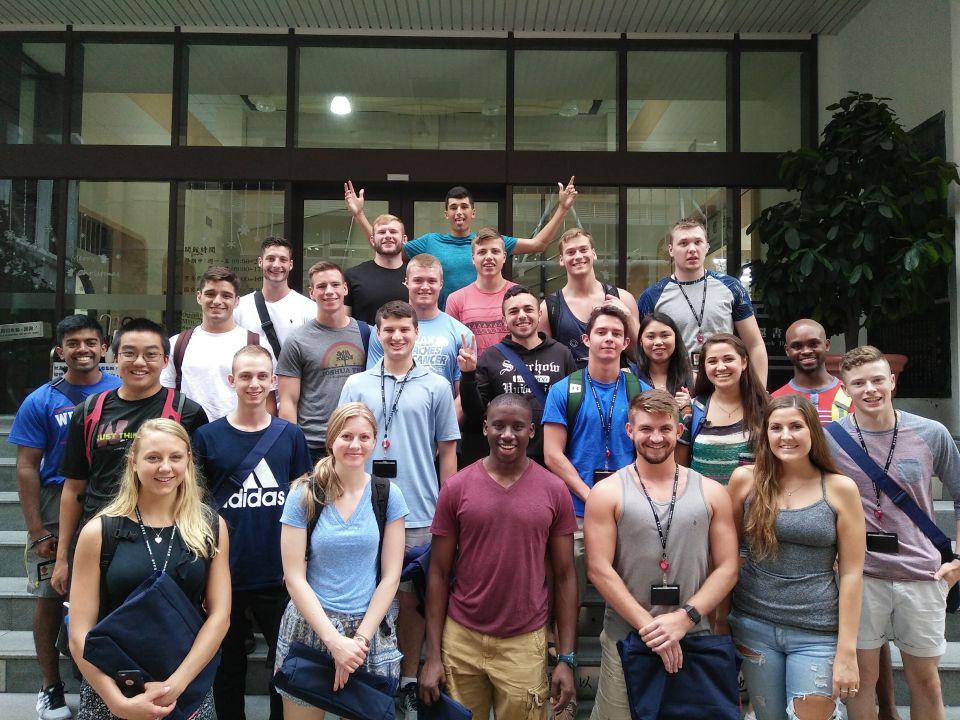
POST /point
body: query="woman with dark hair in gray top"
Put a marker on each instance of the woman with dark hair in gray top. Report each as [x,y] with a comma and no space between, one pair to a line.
[795,619]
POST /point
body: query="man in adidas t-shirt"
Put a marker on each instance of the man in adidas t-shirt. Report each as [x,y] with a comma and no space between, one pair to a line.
[252,506]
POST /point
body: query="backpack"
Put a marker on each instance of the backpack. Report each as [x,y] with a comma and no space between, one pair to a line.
[575,383]
[181,350]
[553,306]
[92,417]
[699,405]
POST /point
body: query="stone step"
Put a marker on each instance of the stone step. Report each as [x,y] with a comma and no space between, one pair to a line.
[10,516]
[11,553]
[8,474]
[16,604]
[6,449]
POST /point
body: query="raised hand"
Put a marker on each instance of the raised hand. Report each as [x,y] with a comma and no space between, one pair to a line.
[567,194]
[353,200]
[467,357]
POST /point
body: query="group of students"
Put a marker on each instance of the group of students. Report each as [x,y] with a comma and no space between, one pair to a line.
[603,429]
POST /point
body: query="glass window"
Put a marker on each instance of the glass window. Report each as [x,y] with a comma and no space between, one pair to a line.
[595,210]
[330,233]
[28,282]
[428,216]
[565,100]
[382,98]
[770,101]
[653,211]
[127,96]
[223,225]
[237,95]
[116,252]
[677,101]
[31,93]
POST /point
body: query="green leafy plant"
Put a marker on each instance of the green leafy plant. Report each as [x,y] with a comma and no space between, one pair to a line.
[857,246]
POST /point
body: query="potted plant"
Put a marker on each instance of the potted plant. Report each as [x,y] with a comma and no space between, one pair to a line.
[857,247]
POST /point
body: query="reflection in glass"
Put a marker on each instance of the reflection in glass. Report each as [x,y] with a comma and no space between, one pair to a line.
[237,95]
[28,281]
[127,96]
[330,233]
[595,210]
[223,224]
[31,93]
[117,250]
[677,101]
[770,101]
[565,100]
[651,212]
[405,99]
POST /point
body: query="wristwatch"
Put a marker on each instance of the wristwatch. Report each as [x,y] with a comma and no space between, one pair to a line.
[570,659]
[692,613]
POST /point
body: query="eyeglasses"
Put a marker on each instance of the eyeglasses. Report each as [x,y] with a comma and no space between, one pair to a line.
[149,356]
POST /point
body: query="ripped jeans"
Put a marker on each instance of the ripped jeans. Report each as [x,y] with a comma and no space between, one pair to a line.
[509,673]
[783,664]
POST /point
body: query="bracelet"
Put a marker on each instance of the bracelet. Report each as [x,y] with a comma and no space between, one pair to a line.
[570,659]
[358,636]
[48,536]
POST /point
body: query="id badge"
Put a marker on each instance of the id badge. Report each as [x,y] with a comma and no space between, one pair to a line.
[881,542]
[45,570]
[665,595]
[385,468]
[599,475]
[695,360]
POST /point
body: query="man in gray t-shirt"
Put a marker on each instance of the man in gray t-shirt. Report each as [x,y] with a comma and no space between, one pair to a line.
[318,357]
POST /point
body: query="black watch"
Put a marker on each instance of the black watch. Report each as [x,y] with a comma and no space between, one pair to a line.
[692,613]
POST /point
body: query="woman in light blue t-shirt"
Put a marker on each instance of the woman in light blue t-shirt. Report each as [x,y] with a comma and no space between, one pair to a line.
[338,604]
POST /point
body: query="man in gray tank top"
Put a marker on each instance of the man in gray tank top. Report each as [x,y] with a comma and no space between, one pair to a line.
[653,532]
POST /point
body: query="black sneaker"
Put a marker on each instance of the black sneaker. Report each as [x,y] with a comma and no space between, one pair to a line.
[407,704]
[51,704]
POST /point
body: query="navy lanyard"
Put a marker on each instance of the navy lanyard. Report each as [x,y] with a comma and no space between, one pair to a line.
[877,512]
[606,423]
[387,419]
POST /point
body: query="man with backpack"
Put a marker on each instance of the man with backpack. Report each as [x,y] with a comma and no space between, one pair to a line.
[39,431]
[248,460]
[102,429]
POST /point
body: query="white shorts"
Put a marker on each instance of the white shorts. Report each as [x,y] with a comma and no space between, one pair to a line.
[911,614]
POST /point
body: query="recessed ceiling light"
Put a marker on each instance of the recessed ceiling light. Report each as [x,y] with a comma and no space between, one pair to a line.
[340,105]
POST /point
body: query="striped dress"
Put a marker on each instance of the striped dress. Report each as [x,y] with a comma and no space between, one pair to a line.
[719,449]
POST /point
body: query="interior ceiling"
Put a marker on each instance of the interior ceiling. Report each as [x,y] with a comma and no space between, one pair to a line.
[439,16]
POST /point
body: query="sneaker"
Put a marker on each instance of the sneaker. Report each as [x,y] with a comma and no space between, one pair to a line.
[407,704]
[51,705]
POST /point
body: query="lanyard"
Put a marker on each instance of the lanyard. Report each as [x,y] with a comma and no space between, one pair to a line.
[606,423]
[703,304]
[877,512]
[387,419]
[664,563]
[143,531]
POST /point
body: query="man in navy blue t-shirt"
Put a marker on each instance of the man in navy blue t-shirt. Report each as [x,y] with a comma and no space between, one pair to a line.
[40,432]
[249,482]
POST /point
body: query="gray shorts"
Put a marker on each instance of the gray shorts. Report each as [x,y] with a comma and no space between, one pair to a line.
[412,538]
[38,568]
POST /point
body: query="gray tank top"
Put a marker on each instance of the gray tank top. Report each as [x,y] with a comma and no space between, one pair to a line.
[797,587]
[637,556]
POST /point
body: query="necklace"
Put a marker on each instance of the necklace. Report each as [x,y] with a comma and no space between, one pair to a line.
[143,531]
[728,412]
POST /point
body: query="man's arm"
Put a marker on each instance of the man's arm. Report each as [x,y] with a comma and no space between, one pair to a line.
[544,324]
[442,552]
[539,242]
[71,510]
[289,397]
[447,452]
[749,332]
[566,607]
[354,202]
[28,487]
[554,448]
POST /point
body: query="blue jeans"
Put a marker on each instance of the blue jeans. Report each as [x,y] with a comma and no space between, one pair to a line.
[782,664]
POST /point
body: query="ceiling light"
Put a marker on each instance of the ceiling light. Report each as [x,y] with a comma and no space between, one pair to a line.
[340,105]
[571,109]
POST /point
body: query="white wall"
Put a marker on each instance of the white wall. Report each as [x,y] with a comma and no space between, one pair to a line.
[909,52]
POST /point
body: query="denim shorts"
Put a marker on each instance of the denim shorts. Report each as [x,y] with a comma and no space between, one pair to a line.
[781,664]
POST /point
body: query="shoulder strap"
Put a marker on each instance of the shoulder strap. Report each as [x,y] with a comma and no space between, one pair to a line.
[890,488]
[265,323]
[364,336]
[90,420]
[171,411]
[69,391]
[610,290]
[698,418]
[109,535]
[521,367]
[380,497]
[574,398]
[634,387]
[179,352]
[553,312]
[236,477]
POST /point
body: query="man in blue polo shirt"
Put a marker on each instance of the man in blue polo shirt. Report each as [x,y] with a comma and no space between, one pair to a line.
[40,432]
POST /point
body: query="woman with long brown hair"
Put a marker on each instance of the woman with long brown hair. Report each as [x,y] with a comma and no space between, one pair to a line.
[795,619]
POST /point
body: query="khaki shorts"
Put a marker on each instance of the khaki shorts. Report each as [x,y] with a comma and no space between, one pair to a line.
[38,568]
[911,614]
[412,538]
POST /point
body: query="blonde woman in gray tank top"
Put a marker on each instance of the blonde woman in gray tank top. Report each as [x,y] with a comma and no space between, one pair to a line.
[795,619]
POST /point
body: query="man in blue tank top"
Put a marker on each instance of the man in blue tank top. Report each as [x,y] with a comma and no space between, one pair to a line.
[661,550]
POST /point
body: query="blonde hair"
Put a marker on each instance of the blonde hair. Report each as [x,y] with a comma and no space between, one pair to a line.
[424,260]
[195,519]
[388,218]
[323,486]
[572,233]
[686,224]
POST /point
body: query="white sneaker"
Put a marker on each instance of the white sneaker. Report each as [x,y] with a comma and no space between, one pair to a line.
[51,704]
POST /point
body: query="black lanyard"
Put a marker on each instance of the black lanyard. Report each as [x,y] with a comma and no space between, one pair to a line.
[877,512]
[703,305]
[387,419]
[606,423]
[664,563]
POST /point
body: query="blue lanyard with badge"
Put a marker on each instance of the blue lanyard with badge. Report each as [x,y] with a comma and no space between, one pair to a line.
[385,468]
[606,423]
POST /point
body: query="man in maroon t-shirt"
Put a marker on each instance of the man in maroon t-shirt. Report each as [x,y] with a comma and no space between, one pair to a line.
[486,637]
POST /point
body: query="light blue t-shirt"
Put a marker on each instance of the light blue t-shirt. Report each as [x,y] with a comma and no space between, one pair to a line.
[438,344]
[585,442]
[343,553]
[425,416]
[43,420]
[455,256]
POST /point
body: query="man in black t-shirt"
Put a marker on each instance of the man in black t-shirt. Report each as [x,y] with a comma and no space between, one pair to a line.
[378,281]
[93,462]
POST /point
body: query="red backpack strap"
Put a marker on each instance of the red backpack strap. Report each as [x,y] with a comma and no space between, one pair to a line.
[182,341]
[90,421]
[169,411]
